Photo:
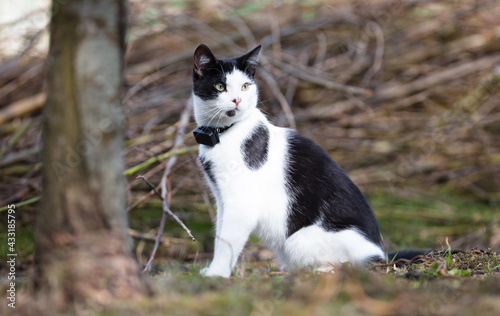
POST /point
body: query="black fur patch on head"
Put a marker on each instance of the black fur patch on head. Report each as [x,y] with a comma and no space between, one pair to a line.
[208,70]
[255,148]
[322,193]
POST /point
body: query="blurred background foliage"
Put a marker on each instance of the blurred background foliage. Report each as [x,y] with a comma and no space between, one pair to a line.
[404,95]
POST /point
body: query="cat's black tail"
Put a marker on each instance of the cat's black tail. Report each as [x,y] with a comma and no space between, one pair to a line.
[406,254]
[413,256]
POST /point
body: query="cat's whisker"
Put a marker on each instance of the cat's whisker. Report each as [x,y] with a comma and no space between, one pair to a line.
[213,114]
[209,111]
[216,115]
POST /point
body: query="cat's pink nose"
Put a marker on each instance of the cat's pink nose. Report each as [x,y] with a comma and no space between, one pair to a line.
[236,101]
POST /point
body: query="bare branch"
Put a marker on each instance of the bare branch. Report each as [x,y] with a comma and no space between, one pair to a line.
[151,186]
[165,196]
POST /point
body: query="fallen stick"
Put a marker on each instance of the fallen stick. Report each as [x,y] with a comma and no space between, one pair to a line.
[33,72]
[16,196]
[159,158]
[19,155]
[469,44]
[323,82]
[451,73]
[23,203]
[151,237]
[22,107]
[18,134]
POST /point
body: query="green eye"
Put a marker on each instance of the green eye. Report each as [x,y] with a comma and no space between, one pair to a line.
[245,86]
[220,86]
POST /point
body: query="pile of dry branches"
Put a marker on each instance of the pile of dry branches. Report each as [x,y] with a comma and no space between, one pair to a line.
[402,93]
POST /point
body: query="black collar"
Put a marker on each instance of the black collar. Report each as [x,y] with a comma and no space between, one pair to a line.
[208,135]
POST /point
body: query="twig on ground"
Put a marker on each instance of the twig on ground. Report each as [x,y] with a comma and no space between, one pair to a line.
[142,199]
[22,107]
[19,155]
[151,237]
[18,134]
[323,82]
[23,203]
[145,82]
[31,73]
[172,153]
[451,73]
[16,196]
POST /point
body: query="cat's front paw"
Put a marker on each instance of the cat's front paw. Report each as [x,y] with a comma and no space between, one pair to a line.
[204,271]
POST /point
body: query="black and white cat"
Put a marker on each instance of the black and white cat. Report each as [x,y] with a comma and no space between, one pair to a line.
[271,180]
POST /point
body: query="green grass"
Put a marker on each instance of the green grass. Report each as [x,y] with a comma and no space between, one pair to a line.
[426,222]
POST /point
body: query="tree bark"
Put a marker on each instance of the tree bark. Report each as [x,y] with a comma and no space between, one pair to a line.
[83,251]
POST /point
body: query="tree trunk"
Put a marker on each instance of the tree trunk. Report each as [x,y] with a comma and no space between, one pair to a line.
[83,252]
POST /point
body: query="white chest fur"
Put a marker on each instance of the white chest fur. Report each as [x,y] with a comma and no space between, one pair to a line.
[248,199]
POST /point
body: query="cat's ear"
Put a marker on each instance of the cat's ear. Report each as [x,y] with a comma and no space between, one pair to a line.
[203,59]
[250,60]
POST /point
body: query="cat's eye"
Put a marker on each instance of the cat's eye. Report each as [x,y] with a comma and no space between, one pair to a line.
[245,86]
[220,87]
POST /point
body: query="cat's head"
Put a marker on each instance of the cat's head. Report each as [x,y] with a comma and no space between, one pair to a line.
[224,90]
